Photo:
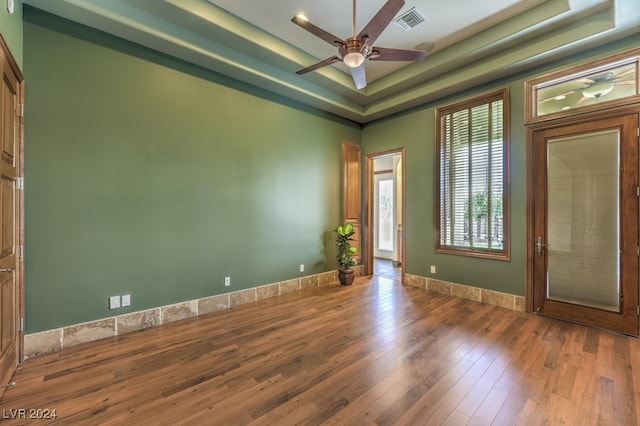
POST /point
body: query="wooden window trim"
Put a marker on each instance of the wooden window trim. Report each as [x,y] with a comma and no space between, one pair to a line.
[505,253]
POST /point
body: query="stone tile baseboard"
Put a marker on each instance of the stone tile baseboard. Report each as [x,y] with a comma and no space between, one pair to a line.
[490,297]
[53,340]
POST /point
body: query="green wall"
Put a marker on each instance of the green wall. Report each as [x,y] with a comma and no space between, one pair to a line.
[416,131]
[11,29]
[148,176]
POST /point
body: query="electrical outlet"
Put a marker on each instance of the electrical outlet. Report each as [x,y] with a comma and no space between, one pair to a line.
[433,269]
[126,300]
[302,267]
[114,302]
[227,281]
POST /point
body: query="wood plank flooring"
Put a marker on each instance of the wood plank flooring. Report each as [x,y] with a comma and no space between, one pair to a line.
[372,353]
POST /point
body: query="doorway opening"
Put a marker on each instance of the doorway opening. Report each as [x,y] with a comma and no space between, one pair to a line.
[385,203]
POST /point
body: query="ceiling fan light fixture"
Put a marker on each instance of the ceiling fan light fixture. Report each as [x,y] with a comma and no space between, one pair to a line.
[355,50]
[353,59]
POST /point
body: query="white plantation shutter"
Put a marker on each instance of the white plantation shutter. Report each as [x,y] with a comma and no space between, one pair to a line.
[471,199]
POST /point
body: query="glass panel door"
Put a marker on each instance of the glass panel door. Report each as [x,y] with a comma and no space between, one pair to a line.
[585,222]
[582,218]
[385,215]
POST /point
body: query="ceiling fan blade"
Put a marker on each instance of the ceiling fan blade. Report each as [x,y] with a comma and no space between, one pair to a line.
[359,77]
[328,61]
[380,21]
[586,80]
[626,72]
[583,99]
[625,83]
[387,54]
[559,97]
[317,31]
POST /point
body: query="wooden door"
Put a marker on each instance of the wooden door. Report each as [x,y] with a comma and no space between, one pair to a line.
[585,231]
[351,190]
[10,216]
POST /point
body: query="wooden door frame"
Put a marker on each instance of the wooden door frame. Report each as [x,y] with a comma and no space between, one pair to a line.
[530,189]
[20,236]
[369,191]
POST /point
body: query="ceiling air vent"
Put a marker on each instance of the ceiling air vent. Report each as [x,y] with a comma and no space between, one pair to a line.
[409,20]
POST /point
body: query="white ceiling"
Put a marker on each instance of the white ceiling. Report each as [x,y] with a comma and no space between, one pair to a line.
[445,23]
[471,42]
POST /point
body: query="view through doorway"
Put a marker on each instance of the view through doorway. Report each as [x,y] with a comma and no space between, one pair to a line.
[385,268]
[385,201]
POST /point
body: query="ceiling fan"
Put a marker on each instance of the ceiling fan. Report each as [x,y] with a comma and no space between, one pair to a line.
[596,86]
[354,50]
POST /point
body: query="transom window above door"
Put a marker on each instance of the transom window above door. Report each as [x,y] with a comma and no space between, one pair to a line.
[604,83]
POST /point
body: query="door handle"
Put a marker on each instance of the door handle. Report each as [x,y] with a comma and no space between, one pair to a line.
[539,246]
[7,269]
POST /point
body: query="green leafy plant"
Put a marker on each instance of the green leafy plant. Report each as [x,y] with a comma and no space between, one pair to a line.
[346,252]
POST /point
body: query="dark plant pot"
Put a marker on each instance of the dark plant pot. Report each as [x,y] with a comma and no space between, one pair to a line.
[346,277]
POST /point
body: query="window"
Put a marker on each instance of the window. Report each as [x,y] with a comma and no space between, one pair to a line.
[471,175]
[603,83]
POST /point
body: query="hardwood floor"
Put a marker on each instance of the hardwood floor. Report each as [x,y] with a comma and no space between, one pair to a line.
[371,353]
[384,268]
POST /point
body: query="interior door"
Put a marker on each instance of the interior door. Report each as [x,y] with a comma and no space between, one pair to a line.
[351,190]
[10,216]
[585,232]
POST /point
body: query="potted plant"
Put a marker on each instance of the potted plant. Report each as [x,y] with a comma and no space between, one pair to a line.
[346,253]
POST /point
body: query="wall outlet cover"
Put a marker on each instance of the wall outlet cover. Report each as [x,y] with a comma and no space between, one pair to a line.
[114,302]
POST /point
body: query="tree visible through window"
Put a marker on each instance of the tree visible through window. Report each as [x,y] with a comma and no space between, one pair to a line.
[472,147]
